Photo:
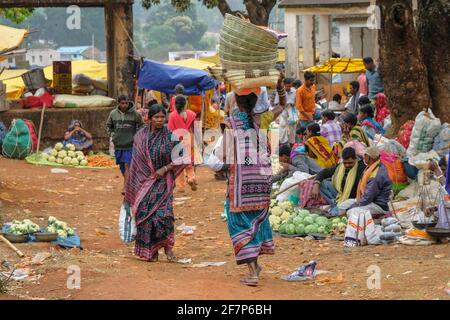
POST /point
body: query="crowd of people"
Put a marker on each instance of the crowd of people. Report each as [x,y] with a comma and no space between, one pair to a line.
[335,148]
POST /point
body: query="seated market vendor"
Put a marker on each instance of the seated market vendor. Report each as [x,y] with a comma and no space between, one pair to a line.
[351,132]
[367,121]
[339,183]
[80,138]
[374,188]
[318,147]
[292,162]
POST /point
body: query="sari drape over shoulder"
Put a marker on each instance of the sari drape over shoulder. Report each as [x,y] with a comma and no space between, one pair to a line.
[150,198]
[249,188]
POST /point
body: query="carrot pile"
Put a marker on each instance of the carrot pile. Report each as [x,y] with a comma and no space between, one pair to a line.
[100,161]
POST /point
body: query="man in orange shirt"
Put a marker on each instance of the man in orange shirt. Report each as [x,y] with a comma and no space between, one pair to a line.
[305,99]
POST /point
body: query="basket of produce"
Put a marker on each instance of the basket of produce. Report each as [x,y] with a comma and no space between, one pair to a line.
[45,236]
[18,231]
[61,228]
[15,238]
[250,30]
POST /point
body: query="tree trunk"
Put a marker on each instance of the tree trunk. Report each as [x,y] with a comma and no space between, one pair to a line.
[258,11]
[434,30]
[402,68]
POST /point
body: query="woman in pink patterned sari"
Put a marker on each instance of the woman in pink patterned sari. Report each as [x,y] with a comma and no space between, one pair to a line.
[149,188]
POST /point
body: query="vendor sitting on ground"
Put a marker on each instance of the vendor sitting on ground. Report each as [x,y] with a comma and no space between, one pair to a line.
[339,183]
[318,147]
[291,163]
[80,138]
[374,188]
[351,131]
[368,123]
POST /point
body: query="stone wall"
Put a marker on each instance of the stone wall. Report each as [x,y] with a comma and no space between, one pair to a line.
[56,122]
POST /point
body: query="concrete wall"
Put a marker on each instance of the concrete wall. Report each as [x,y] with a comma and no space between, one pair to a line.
[56,122]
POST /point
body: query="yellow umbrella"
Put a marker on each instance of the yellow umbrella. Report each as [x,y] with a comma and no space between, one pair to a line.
[11,38]
[339,65]
[191,63]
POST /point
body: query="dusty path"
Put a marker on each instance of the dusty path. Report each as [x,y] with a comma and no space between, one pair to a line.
[90,200]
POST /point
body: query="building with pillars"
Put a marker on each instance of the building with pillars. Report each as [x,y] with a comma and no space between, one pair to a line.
[356,21]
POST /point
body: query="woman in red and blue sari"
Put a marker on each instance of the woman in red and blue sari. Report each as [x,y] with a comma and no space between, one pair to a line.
[367,122]
[249,187]
[149,187]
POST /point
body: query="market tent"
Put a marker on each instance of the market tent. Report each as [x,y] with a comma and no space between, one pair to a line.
[90,68]
[162,77]
[15,86]
[11,39]
[339,65]
[191,63]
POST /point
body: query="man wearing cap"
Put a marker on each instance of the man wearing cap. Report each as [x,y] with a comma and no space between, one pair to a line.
[375,186]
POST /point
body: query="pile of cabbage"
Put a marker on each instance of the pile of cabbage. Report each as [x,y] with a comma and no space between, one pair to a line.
[65,155]
[286,219]
[22,227]
[59,227]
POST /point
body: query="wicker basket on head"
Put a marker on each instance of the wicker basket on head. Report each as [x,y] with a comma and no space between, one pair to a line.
[228,32]
[239,47]
[241,79]
[230,65]
[248,30]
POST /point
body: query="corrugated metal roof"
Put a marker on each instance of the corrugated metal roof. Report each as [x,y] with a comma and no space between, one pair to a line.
[73,50]
[316,3]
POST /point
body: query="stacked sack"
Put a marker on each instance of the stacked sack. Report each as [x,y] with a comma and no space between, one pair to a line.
[248,54]
[391,230]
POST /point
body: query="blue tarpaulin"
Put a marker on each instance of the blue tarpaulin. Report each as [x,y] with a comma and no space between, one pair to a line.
[163,78]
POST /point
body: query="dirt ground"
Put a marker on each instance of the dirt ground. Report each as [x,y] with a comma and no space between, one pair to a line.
[89,200]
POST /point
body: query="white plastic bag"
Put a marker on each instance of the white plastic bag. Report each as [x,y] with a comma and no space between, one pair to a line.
[297,177]
[442,141]
[127,224]
[361,229]
[425,130]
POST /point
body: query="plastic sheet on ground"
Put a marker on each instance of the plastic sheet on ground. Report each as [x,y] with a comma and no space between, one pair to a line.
[69,242]
[32,159]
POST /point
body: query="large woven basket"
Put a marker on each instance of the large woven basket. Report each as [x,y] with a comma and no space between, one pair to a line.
[228,32]
[238,48]
[248,29]
[240,79]
[243,42]
[230,65]
[246,58]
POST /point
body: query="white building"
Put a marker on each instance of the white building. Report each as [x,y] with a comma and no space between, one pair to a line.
[357,25]
[78,53]
[182,55]
[42,57]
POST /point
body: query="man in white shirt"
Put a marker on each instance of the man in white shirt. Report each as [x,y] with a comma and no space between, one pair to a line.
[289,117]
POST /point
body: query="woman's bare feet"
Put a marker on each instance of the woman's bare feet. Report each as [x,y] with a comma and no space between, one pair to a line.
[154,258]
[171,257]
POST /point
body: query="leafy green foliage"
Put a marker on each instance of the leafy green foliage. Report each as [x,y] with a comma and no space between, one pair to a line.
[16,15]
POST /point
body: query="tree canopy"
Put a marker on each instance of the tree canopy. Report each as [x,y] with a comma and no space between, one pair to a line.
[16,15]
[258,11]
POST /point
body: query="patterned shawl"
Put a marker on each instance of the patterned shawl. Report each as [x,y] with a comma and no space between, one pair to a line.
[142,172]
[250,181]
[320,147]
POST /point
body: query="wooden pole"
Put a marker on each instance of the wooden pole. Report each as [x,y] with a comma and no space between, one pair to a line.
[41,124]
[14,248]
